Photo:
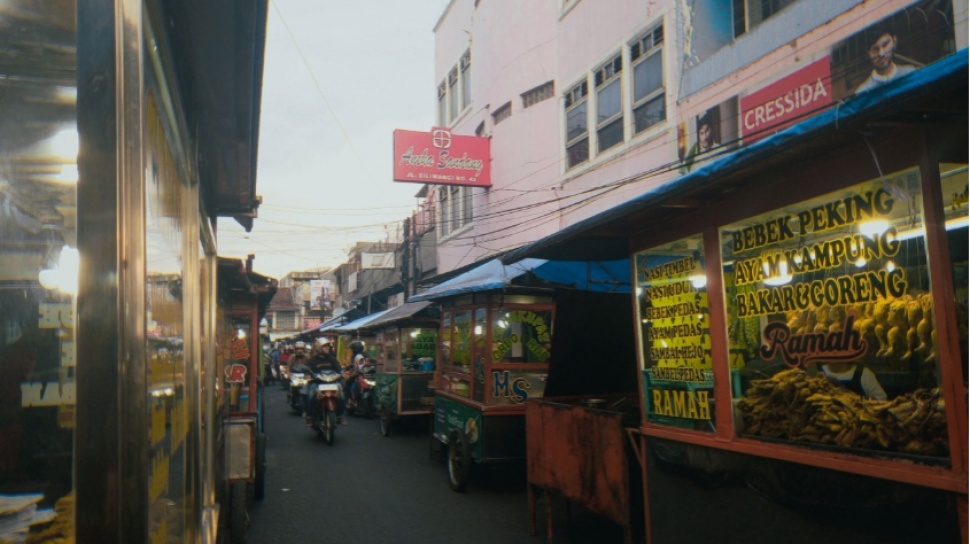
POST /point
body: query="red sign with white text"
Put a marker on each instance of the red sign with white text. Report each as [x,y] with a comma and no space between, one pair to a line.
[786,101]
[441,158]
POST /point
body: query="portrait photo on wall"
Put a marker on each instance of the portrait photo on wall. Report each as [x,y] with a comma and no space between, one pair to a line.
[892,47]
[714,129]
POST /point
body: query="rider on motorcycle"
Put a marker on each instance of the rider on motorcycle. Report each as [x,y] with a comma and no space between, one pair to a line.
[359,361]
[322,361]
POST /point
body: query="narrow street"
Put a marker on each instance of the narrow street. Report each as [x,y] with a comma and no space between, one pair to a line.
[368,488]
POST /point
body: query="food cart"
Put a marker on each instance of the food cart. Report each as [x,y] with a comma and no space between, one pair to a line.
[759,285]
[495,348]
[405,340]
[243,298]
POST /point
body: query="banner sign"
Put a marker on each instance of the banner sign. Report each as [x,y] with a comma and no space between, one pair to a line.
[786,101]
[441,158]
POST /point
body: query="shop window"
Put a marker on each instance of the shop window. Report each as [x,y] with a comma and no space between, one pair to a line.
[649,96]
[39,270]
[829,320]
[521,336]
[674,330]
[956,192]
[418,349]
[444,346]
[479,335]
[609,107]
[461,353]
[577,135]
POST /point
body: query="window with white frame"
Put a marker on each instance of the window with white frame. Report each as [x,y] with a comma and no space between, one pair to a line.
[445,210]
[609,104]
[455,208]
[747,14]
[442,104]
[577,133]
[466,79]
[453,94]
[648,94]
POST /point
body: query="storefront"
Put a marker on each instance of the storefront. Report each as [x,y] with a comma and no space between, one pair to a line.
[802,323]
[129,128]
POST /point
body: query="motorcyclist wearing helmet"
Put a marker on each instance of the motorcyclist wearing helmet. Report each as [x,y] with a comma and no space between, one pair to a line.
[324,360]
[358,361]
[299,358]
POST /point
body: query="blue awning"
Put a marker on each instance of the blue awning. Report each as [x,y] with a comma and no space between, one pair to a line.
[606,277]
[358,323]
[885,101]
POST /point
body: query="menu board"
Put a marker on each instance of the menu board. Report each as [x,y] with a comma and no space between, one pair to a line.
[675,334]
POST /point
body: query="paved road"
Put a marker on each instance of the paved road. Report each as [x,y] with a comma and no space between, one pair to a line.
[370,489]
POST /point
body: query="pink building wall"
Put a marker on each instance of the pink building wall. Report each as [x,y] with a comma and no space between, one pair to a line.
[516,46]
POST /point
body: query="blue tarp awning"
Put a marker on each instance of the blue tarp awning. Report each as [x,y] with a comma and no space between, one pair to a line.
[606,276]
[885,101]
[358,323]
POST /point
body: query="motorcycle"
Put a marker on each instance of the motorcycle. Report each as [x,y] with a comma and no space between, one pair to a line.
[294,393]
[363,400]
[329,390]
[284,377]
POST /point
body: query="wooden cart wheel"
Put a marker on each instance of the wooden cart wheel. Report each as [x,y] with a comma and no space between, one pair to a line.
[459,461]
[238,517]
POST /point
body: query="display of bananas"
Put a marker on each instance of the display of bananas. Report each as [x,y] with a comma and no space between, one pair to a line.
[61,531]
[792,405]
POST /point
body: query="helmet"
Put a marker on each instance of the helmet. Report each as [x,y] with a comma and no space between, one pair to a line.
[356,346]
[300,345]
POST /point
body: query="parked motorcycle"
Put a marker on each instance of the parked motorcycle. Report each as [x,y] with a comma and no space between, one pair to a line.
[363,401]
[294,395]
[329,390]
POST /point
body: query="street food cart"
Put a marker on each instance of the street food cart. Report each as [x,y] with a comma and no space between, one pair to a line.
[405,341]
[803,331]
[243,297]
[495,349]
[355,330]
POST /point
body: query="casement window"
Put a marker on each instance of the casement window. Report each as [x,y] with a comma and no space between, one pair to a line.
[538,94]
[453,94]
[649,97]
[445,209]
[577,133]
[442,104]
[455,208]
[466,79]
[609,104]
[502,113]
[467,211]
[747,14]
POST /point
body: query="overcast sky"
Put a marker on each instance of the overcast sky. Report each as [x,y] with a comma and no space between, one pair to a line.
[339,78]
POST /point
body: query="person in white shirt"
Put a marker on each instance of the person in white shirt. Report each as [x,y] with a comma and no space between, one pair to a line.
[855,378]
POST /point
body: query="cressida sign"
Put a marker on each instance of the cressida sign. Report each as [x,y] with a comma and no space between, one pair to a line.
[786,101]
[441,158]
